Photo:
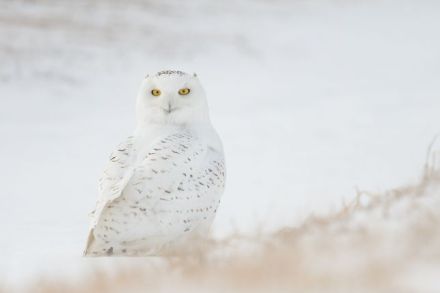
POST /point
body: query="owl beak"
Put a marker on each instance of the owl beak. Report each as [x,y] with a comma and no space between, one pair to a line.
[169,109]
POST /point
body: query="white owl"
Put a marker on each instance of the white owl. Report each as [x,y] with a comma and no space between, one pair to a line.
[162,186]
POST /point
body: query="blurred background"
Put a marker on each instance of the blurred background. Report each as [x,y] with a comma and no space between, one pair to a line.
[313,99]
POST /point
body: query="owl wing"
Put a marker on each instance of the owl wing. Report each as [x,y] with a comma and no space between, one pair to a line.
[113,180]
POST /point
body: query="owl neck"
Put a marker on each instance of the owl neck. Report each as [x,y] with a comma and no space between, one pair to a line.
[146,126]
[206,133]
[201,127]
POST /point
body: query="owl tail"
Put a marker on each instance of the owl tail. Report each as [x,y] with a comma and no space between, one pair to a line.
[432,163]
[90,240]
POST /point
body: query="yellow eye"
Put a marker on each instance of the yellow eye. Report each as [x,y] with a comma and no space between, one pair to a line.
[184,91]
[155,92]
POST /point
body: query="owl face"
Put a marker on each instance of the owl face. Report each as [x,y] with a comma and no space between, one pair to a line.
[171,97]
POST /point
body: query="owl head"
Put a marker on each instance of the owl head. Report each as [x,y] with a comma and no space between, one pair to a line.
[171,97]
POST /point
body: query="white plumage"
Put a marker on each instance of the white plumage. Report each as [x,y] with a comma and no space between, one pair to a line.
[162,186]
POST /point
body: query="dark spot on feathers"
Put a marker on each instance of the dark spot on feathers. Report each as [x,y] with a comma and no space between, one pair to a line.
[109,251]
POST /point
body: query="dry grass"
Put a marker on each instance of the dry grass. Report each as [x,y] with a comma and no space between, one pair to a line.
[378,243]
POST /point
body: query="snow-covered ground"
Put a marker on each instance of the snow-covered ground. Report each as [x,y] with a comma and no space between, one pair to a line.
[313,99]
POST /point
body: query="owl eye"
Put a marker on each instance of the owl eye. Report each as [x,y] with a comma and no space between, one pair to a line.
[155,92]
[184,91]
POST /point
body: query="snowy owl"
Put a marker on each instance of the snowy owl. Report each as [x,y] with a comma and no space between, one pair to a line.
[162,186]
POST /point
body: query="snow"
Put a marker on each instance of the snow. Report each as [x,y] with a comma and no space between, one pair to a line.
[313,100]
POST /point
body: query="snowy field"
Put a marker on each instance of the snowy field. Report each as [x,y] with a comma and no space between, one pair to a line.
[313,100]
